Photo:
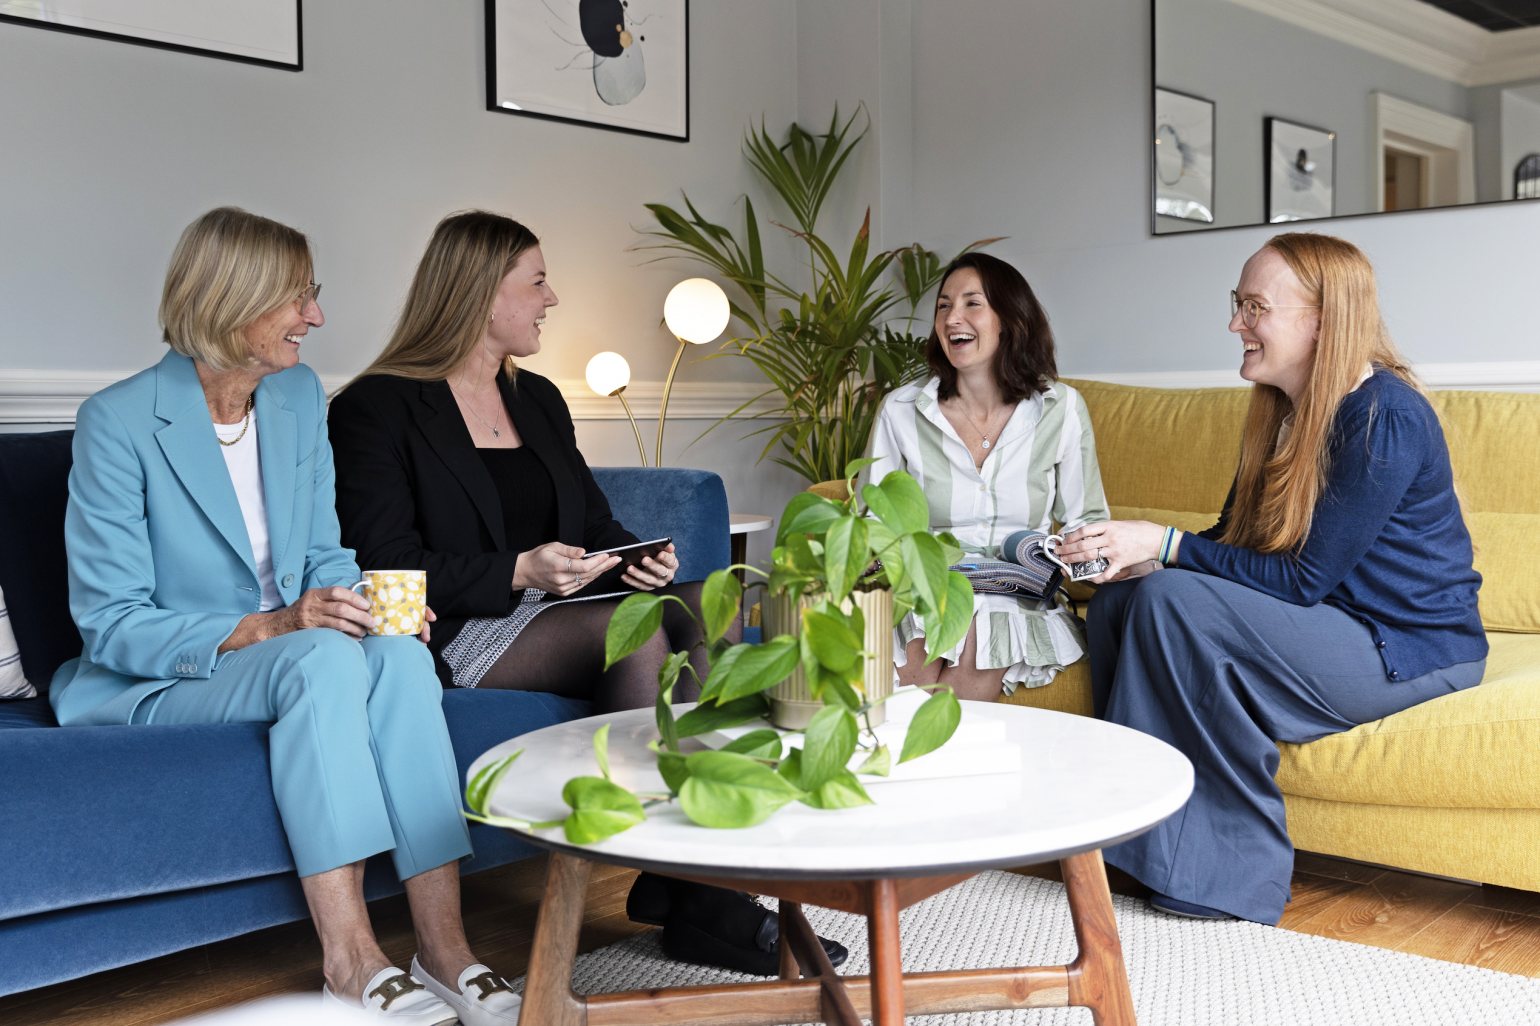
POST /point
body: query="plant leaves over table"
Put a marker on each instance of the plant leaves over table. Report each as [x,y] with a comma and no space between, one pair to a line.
[635,620]
[934,722]
[719,600]
[729,790]
[600,809]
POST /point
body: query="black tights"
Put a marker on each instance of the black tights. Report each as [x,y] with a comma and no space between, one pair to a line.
[561,651]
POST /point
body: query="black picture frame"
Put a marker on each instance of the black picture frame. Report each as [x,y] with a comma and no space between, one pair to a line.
[1300,171]
[1182,161]
[536,54]
[158,31]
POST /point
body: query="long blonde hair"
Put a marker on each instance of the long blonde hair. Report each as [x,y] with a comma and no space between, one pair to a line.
[1277,485]
[450,301]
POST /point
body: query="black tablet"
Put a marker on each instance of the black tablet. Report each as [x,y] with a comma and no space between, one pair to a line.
[631,555]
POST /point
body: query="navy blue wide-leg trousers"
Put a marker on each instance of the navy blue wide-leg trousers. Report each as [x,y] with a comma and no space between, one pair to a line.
[1222,673]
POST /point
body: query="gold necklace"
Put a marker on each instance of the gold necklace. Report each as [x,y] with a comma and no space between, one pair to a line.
[497,418]
[250,401]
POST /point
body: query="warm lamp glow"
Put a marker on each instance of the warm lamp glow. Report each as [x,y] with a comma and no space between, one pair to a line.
[696,310]
[608,373]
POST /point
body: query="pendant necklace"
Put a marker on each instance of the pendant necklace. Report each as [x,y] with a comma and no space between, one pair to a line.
[492,427]
[982,432]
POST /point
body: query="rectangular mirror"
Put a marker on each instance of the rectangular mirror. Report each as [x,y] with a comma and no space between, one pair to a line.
[1287,110]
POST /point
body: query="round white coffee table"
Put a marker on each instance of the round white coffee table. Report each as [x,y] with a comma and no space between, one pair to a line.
[1069,786]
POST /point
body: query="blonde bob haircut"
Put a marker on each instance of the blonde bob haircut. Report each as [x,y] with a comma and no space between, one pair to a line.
[229,268]
[1278,485]
[450,301]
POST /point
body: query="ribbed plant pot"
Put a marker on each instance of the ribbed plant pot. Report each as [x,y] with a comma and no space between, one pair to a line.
[791,706]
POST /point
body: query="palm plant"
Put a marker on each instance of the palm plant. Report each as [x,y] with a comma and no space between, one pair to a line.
[832,350]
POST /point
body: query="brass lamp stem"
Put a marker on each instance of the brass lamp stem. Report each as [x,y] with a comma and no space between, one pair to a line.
[620,393]
[668,384]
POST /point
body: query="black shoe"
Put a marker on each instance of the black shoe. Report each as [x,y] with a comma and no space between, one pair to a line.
[713,926]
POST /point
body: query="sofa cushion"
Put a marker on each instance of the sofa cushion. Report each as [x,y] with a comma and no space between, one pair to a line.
[13,683]
[34,475]
[1479,748]
[1508,559]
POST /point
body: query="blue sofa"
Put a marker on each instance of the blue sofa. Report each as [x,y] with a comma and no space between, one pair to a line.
[119,844]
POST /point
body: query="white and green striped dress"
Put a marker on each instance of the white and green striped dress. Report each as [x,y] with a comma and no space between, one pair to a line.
[1041,474]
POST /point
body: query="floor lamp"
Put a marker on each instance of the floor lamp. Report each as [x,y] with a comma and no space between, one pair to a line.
[696,311]
[609,374]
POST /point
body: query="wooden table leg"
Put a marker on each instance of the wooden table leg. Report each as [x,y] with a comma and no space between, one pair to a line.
[548,996]
[1097,977]
[887,980]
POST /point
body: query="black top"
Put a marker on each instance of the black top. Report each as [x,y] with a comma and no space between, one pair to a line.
[413,494]
[529,500]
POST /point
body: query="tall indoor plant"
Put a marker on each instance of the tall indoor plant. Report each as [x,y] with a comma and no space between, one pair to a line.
[831,350]
[825,552]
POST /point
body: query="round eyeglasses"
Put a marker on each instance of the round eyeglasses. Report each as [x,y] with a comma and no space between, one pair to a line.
[312,292]
[1251,310]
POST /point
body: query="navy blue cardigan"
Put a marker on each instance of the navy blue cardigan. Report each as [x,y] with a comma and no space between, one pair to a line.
[1387,543]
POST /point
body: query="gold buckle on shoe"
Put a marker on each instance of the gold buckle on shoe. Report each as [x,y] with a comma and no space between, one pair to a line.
[489,983]
[393,987]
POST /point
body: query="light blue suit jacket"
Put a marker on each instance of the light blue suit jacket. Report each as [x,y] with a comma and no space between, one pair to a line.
[160,565]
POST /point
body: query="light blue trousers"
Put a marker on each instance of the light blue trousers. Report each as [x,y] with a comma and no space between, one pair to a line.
[361,759]
[1222,673]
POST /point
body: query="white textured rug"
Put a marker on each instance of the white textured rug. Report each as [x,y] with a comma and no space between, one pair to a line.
[1182,972]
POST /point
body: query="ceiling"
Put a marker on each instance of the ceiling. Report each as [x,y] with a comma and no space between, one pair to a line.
[1493,15]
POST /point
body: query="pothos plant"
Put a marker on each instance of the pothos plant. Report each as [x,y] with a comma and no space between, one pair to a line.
[879,538]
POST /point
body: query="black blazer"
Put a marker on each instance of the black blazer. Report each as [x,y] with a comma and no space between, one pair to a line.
[412,493]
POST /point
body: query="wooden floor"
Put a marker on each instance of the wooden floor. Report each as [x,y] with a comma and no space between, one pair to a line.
[1493,927]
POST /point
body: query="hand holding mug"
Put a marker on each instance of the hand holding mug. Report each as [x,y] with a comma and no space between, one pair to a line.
[1122,543]
[398,602]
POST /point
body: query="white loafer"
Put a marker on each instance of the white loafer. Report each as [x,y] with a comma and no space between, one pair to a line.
[481,997]
[394,997]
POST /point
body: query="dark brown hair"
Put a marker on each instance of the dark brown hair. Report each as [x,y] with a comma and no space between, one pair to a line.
[1024,363]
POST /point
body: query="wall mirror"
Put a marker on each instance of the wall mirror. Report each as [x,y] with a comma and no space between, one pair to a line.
[1284,110]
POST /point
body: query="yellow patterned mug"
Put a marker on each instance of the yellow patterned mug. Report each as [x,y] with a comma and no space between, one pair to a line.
[397,599]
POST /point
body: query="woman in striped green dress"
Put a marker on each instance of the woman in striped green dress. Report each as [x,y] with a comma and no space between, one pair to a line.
[998,445]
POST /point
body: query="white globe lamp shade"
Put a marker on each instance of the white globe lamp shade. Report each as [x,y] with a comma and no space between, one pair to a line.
[696,310]
[608,373]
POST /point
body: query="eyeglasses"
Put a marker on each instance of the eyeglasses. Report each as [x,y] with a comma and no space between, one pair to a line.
[1251,311]
[312,292]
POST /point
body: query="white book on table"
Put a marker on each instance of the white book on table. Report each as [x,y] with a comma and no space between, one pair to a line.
[976,748]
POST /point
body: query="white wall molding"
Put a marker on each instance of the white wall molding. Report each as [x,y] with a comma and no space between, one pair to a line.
[53,396]
[1416,34]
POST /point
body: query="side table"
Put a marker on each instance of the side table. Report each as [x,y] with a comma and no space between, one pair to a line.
[1080,784]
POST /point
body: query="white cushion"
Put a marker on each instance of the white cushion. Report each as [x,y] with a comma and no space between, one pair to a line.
[12,683]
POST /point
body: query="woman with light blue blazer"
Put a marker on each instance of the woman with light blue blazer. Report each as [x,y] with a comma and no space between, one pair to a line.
[210,585]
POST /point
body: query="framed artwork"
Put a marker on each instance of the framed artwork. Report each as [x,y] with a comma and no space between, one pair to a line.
[1184,156]
[254,31]
[611,64]
[1301,169]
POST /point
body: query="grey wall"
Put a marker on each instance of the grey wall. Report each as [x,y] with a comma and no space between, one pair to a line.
[1030,120]
[1253,67]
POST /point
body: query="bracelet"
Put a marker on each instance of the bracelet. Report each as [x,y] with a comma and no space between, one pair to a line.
[1167,542]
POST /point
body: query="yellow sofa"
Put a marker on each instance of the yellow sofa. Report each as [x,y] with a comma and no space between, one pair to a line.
[1450,787]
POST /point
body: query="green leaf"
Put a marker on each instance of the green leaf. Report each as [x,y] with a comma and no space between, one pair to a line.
[926,564]
[757,744]
[946,629]
[807,513]
[933,724]
[828,743]
[672,768]
[730,790]
[907,510]
[478,790]
[831,640]
[709,716]
[749,669]
[663,714]
[719,600]
[602,750]
[600,809]
[634,621]
[879,763]
[845,554]
[668,673]
[841,791]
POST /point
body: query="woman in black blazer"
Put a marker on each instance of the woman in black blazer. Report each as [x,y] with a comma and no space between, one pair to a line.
[451,460]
